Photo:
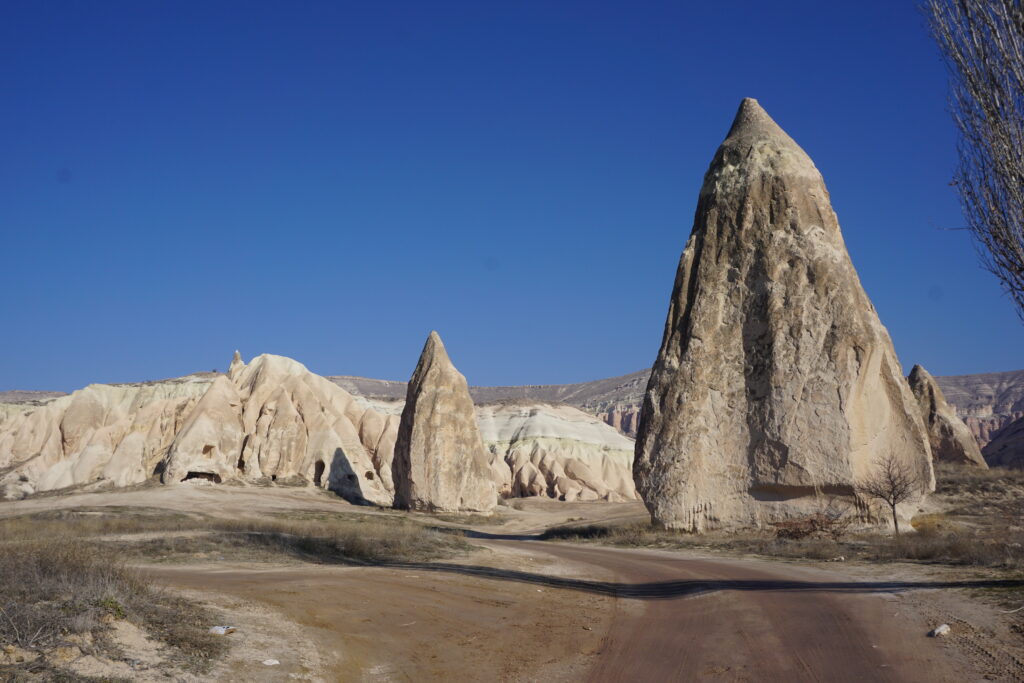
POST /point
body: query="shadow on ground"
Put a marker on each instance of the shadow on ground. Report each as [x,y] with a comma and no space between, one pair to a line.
[665,590]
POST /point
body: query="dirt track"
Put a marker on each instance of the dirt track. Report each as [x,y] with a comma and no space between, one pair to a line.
[526,610]
[756,621]
[587,613]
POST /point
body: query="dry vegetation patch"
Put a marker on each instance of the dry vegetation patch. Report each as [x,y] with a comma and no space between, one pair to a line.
[66,578]
[59,597]
[980,526]
[153,534]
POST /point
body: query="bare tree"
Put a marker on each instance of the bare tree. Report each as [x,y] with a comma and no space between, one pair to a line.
[893,482]
[982,42]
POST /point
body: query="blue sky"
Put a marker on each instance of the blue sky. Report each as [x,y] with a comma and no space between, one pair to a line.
[330,181]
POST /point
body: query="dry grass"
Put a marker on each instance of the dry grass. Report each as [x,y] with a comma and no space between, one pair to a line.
[645,535]
[59,587]
[305,535]
[65,574]
[981,528]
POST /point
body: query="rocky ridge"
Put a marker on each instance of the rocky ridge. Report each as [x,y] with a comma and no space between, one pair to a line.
[274,422]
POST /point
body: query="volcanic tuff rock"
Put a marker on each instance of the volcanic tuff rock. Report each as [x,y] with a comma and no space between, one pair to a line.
[950,439]
[775,381]
[440,463]
[270,420]
[986,402]
[116,433]
[265,422]
[557,451]
[546,449]
[1007,446]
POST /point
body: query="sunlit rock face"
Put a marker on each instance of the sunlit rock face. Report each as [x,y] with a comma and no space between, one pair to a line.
[440,463]
[269,421]
[950,439]
[272,422]
[776,382]
[556,451]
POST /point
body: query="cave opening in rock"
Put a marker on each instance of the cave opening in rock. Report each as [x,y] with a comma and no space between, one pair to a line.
[241,463]
[318,472]
[369,475]
[207,449]
[208,476]
[273,477]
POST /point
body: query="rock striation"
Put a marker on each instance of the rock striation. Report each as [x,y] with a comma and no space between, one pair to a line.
[950,439]
[1006,449]
[440,463]
[775,381]
[556,451]
[986,402]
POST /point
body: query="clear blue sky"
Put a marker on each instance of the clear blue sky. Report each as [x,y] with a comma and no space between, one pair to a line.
[332,180]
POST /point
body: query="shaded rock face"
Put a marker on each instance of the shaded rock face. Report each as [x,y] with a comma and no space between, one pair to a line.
[440,463]
[775,380]
[1006,449]
[950,439]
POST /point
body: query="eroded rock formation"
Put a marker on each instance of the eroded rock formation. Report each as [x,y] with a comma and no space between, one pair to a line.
[950,439]
[440,463]
[109,433]
[272,420]
[775,381]
[556,451]
[1006,449]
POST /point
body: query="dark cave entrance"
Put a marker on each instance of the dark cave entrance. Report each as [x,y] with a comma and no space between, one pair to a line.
[208,476]
[318,473]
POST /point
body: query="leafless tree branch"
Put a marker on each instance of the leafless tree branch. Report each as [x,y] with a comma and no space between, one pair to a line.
[982,42]
[893,482]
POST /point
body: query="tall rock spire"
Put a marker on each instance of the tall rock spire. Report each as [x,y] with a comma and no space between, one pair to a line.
[440,462]
[950,439]
[775,381]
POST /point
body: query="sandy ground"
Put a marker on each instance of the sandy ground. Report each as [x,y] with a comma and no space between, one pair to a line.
[523,610]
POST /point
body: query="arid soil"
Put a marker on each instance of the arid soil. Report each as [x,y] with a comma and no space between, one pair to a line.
[519,609]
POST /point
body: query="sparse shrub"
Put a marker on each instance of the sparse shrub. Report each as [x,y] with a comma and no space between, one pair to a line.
[833,521]
[51,589]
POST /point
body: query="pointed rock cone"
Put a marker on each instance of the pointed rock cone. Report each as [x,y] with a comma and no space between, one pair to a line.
[950,438]
[236,367]
[775,382]
[440,462]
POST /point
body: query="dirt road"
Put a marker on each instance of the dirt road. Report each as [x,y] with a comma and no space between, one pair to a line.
[748,620]
[585,613]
